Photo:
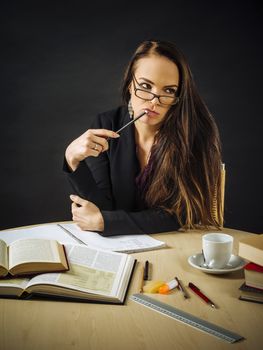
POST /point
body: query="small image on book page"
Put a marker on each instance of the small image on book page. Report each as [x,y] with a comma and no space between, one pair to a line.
[87,278]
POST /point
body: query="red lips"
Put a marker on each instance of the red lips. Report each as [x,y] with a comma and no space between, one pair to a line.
[151,113]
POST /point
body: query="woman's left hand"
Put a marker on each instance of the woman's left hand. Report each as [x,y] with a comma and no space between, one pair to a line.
[86,214]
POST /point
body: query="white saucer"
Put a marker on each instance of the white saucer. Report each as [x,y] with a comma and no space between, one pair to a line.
[235,263]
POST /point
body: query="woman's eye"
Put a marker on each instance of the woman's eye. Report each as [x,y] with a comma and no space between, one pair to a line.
[145,86]
[170,91]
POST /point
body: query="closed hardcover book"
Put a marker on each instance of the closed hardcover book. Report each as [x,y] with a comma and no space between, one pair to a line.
[251,294]
[254,275]
[251,249]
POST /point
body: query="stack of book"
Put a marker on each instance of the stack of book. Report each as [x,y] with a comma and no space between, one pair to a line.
[251,249]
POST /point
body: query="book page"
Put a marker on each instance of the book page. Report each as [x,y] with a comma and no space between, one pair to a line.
[14,282]
[123,243]
[3,255]
[12,286]
[97,259]
[32,250]
[91,270]
[86,278]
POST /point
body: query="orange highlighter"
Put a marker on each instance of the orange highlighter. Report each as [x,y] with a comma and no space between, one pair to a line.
[168,286]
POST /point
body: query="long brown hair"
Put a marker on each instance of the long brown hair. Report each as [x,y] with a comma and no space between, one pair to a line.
[185,179]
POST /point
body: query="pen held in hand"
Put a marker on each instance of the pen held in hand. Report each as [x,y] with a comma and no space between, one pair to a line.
[131,121]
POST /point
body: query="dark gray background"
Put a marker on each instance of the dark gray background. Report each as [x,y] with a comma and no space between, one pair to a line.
[62,63]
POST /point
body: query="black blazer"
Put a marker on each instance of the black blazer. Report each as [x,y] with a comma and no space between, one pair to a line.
[109,182]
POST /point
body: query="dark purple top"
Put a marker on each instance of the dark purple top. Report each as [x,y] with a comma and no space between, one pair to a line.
[141,179]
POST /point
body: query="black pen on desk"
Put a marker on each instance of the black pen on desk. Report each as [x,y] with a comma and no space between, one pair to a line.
[146,271]
[131,121]
[144,276]
[181,288]
[197,291]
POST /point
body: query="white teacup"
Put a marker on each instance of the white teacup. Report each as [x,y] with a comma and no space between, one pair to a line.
[217,249]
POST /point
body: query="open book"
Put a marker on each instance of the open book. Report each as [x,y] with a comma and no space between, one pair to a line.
[31,256]
[94,275]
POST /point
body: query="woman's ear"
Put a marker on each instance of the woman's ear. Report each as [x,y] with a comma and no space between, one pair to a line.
[130,109]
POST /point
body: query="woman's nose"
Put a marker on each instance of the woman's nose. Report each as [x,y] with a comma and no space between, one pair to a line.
[155,101]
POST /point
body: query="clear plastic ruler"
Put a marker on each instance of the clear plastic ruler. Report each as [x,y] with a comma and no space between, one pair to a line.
[186,318]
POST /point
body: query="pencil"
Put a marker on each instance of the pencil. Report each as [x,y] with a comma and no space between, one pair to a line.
[181,288]
[142,280]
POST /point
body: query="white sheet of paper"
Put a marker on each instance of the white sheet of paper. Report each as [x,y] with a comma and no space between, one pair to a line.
[124,243]
[51,231]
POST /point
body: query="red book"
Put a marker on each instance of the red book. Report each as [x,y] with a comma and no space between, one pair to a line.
[254,267]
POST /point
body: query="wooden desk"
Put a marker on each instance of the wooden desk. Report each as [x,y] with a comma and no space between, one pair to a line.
[66,325]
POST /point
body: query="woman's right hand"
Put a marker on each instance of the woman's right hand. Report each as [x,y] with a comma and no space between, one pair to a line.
[90,144]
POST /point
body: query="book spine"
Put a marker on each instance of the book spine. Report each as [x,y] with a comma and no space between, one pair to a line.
[255,287]
[248,288]
[251,300]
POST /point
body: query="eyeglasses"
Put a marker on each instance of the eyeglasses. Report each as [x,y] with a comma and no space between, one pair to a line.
[149,96]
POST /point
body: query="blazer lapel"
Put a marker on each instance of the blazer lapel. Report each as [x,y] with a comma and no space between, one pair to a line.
[125,167]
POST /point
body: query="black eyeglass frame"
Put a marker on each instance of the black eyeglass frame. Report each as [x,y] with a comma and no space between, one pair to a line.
[176,98]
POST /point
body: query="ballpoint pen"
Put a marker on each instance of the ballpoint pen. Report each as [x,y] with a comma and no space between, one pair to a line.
[197,291]
[181,288]
[132,121]
[146,271]
[129,123]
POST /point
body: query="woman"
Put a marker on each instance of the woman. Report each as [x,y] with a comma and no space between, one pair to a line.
[160,173]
